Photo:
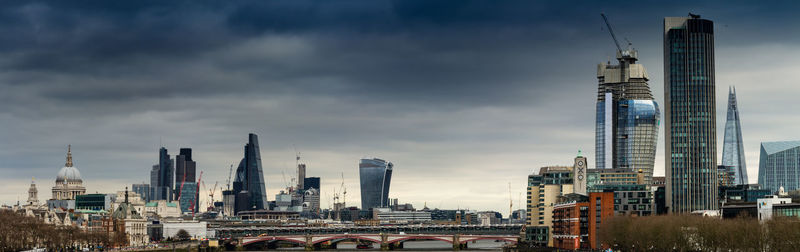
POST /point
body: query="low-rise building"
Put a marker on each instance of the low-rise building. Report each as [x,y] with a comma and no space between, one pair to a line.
[735,194]
[196,229]
[765,206]
[387,214]
[162,209]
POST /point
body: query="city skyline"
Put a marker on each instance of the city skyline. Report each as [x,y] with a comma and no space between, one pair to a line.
[435,116]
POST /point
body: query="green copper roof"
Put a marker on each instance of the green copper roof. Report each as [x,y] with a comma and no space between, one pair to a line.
[171,204]
[775,147]
[151,204]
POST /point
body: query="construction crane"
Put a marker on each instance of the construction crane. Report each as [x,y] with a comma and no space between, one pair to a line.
[610,30]
[211,194]
[183,181]
[196,193]
[510,203]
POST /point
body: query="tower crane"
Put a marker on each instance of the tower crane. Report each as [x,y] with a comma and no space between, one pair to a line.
[510,203]
[211,194]
[610,30]
[196,193]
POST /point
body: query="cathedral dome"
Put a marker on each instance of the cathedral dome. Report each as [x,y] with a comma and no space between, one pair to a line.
[68,173]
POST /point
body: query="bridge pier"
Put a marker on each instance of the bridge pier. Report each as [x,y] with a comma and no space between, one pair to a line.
[384,244]
[456,242]
[310,243]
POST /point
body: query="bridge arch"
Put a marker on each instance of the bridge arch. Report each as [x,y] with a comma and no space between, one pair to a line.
[475,238]
[270,239]
[418,238]
[340,238]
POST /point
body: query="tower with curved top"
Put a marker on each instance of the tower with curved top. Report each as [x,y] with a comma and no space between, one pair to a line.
[375,175]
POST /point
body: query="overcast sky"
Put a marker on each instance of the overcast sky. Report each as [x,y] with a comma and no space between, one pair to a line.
[464,97]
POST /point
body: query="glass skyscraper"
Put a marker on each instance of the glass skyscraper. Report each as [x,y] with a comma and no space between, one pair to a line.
[165,171]
[779,165]
[185,171]
[249,186]
[375,174]
[690,114]
[732,147]
[627,116]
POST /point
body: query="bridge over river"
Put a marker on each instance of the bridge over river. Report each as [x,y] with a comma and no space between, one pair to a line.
[388,237]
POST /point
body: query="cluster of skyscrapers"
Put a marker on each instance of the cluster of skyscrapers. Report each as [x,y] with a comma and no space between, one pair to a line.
[172,180]
[626,136]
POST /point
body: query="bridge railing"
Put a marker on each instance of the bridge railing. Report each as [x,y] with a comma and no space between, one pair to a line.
[504,229]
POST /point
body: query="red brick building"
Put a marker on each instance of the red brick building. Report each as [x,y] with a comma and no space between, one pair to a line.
[577,218]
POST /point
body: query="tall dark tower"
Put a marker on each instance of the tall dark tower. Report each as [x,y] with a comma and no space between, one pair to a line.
[690,114]
[185,181]
[249,186]
[166,173]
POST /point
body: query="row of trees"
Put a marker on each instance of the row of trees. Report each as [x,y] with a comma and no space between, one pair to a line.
[695,233]
[19,232]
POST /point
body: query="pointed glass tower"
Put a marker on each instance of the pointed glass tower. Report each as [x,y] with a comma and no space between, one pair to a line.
[732,149]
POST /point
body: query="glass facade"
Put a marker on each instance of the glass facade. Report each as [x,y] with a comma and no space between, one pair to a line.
[627,117]
[375,175]
[690,114]
[188,194]
[732,147]
[249,184]
[779,165]
[185,170]
[166,172]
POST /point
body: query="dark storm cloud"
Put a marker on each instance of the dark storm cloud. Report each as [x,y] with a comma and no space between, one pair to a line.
[494,88]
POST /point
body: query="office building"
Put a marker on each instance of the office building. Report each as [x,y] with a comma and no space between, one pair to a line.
[249,187]
[185,181]
[627,117]
[577,220]
[311,182]
[726,175]
[375,175]
[93,202]
[733,147]
[597,177]
[779,166]
[301,176]
[165,170]
[690,114]
[735,194]
[189,197]
[69,183]
[143,190]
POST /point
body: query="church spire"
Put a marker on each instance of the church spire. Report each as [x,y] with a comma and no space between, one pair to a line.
[69,156]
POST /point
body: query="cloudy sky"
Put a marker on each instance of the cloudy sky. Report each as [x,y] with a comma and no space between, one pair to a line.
[464,97]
